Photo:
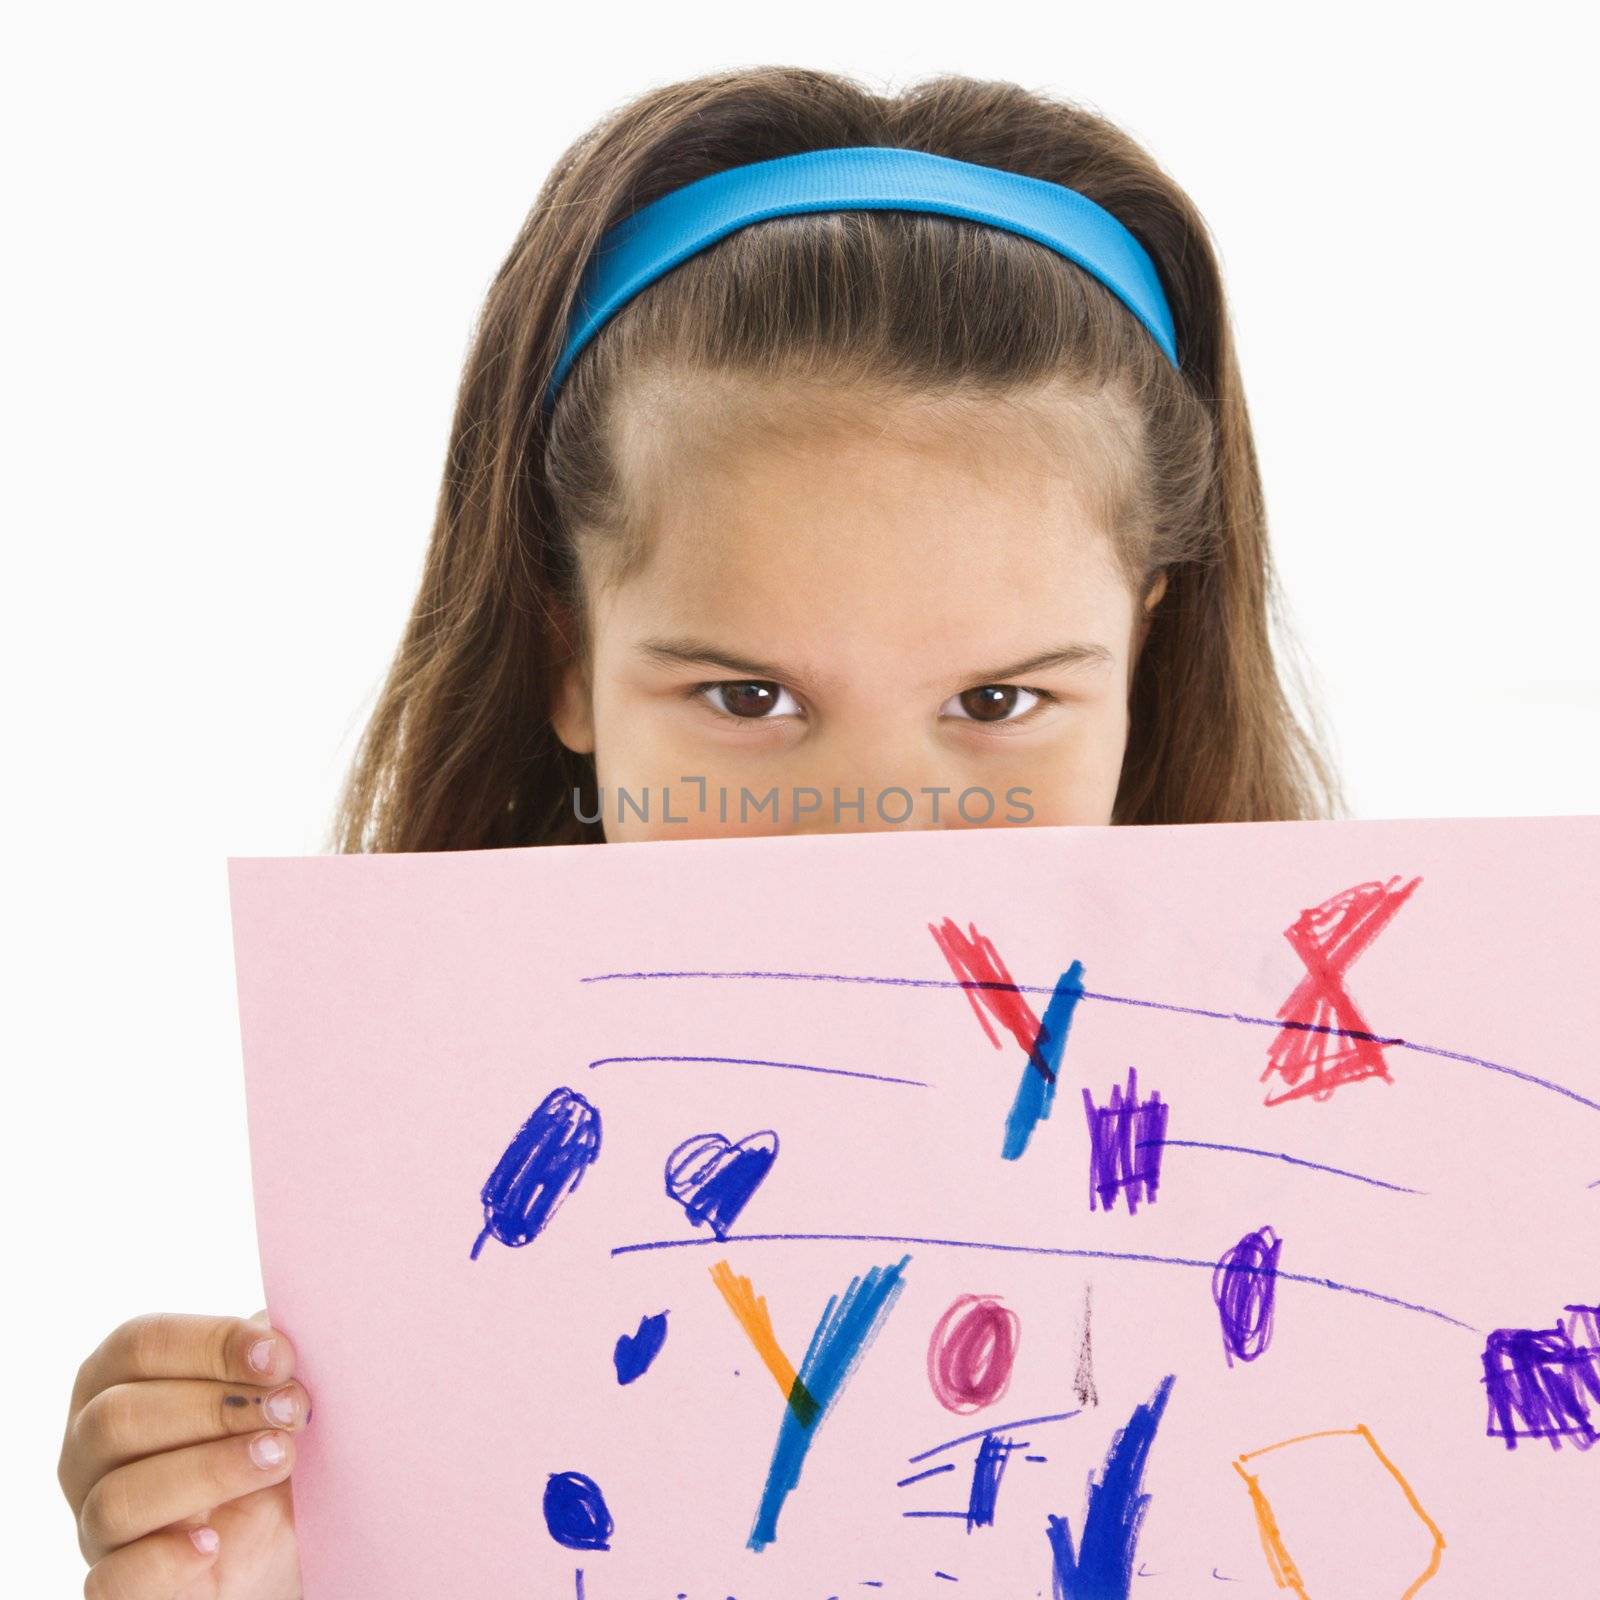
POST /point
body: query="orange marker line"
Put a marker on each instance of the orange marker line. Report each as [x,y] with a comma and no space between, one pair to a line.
[750,1310]
[1283,1569]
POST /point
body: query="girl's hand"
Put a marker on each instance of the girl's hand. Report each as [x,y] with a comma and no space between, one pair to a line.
[176,1461]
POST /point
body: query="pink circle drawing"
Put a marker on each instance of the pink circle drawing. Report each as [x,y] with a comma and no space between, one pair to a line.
[971,1352]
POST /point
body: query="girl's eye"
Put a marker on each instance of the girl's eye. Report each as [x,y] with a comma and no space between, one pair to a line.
[993,702]
[749,699]
[758,700]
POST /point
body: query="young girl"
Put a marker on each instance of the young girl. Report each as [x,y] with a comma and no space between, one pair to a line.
[841,513]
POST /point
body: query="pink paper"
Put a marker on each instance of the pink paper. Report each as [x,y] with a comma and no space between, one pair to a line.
[1362,1247]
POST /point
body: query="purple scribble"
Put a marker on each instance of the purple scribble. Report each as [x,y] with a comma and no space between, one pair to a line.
[1544,1383]
[1125,1144]
[1244,1287]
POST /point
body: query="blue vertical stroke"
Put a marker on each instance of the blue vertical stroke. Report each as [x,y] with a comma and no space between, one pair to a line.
[1037,1090]
[1102,1566]
[849,1323]
[987,1471]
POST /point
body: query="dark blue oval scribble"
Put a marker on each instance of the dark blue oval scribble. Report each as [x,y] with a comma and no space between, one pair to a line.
[575,1512]
[713,1178]
[635,1351]
[542,1165]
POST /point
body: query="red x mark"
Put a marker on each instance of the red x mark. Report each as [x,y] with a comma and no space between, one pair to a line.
[1325,1041]
[988,984]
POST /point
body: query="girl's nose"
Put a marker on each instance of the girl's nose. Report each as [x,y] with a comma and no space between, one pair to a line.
[870,784]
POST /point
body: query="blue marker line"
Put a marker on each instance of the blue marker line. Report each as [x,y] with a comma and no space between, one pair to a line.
[1277,1155]
[987,1472]
[999,1427]
[848,1325]
[1276,1023]
[1035,1250]
[1037,1090]
[1102,1566]
[758,1061]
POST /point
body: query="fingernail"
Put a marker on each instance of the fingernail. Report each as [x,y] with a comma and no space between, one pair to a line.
[267,1450]
[281,1406]
[260,1354]
[205,1540]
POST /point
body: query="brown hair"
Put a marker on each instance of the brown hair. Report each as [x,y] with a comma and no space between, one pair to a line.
[459,752]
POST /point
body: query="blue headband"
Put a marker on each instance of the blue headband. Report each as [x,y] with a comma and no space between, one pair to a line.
[656,238]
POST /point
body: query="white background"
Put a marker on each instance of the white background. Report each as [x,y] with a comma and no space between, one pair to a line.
[246,249]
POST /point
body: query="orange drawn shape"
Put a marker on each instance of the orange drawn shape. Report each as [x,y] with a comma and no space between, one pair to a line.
[1282,1566]
[750,1310]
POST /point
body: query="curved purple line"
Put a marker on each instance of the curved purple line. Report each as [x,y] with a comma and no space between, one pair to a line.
[1126,1000]
[932,1472]
[1277,1155]
[994,1427]
[1034,1250]
[754,1061]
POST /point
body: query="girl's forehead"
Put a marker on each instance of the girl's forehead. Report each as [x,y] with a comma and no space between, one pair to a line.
[725,447]
[882,549]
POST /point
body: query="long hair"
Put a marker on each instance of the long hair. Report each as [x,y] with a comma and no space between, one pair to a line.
[459,752]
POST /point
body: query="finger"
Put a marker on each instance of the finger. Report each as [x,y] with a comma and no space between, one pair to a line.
[173,1344]
[153,1568]
[130,1420]
[134,1500]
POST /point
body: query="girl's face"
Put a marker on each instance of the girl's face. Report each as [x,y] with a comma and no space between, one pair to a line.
[851,617]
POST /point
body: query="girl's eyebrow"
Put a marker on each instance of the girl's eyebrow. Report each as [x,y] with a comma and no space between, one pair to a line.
[696,652]
[1070,655]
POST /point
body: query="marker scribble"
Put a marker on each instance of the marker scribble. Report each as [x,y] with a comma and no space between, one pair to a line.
[995,1448]
[750,1311]
[1083,1379]
[1293,1161]
[1062,1252]
[713,1179]
[1210,1013]
[999,1427]
[1125,1142]
[849,1324]
[987,1471]
[1244,1286]
[1102,1565]
[635,1351]
[1036,1089]
[1325,1473]
[1544,1383]
[971,1352]
[575,1512]
[543,1164]
[758,1061]
[1311,1059]
[975,961]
